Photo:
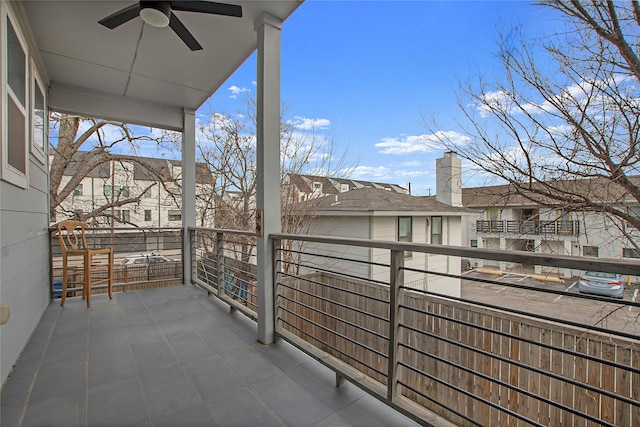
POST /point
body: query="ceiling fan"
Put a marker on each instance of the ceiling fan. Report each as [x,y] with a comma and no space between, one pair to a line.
[161,14]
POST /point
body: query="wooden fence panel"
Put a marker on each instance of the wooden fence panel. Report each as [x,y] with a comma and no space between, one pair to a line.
[546,352]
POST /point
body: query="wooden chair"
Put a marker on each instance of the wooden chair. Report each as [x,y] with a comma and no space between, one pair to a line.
[73,243]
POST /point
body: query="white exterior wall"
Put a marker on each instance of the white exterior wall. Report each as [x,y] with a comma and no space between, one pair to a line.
[156,200]
[384,228]
[347,227]
[595,230]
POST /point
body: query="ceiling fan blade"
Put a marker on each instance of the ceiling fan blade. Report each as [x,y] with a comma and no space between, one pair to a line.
[208,7]
[121,16]
[182,32]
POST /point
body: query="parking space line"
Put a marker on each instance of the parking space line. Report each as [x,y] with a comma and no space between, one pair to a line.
[566,290]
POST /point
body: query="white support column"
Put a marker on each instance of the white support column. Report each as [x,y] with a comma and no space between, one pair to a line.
[566,272]
[188,187]
[503,247]
[537,269]
[268,29]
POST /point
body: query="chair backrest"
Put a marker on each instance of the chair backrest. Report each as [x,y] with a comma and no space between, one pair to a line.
[71,235]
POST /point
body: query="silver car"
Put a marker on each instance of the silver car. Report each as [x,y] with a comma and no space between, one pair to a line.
[145,259]
[595,282]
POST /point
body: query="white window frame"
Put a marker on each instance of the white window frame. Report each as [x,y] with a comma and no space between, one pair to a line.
[8,172]
[40,153]
[440,233]
[407,238]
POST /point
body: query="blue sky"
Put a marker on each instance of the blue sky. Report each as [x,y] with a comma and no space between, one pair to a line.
[368,72]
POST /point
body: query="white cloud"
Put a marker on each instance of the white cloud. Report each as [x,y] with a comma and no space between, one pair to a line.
[235,91]
[369,172]
[424,143]
[305,123]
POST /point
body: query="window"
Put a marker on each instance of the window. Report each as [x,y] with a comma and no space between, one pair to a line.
[317,187]
[147,215]
[15,117]
[174,215]
[590,251]
[436,230]
[344,188]
[147,194]
[39,120]
[565,223]
[175,191]
[405,229]
[493,216]
[122,214]
[633,211]
[109,190]
[78,190]
[631,253]
[474,243]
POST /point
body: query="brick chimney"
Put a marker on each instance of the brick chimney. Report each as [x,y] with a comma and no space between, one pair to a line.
[449,179]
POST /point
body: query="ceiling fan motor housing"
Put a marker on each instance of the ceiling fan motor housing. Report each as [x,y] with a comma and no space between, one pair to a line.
[155,13]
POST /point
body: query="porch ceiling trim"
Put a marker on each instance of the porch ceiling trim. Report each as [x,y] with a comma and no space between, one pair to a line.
[87,102]
[137,73]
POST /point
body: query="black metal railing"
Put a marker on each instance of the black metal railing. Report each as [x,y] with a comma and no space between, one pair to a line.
[557,227]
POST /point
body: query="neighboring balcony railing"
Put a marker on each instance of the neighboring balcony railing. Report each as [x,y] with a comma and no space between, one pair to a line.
[143,258]
[419,339]
[558,227]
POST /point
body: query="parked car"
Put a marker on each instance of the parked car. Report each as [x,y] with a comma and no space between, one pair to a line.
[595,282]
[145,259]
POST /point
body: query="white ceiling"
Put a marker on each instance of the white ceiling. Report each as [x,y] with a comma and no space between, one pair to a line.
[135,63]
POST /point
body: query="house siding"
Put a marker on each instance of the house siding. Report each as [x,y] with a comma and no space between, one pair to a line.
[24,275]
[24,247]
[347,227]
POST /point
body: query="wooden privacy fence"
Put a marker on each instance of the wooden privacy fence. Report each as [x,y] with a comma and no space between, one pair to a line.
[469,364]
[129,277]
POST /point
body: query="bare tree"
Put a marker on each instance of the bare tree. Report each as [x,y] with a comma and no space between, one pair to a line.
[82,147]
[561,124]
[227,145]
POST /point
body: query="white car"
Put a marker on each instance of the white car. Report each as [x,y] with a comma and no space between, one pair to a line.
[145,259]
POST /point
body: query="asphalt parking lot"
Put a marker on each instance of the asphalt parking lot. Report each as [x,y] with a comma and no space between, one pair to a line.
[554,298]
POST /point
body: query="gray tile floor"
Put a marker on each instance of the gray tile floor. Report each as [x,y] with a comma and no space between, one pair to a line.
[172,357]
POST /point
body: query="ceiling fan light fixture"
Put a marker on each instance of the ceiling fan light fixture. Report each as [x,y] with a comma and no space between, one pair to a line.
[155,13]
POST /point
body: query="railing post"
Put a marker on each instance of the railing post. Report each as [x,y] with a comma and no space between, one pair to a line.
[220,262]
[396,280]
[277,269]
[191,233]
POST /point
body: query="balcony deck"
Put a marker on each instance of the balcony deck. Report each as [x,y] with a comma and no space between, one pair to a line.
[171,356]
